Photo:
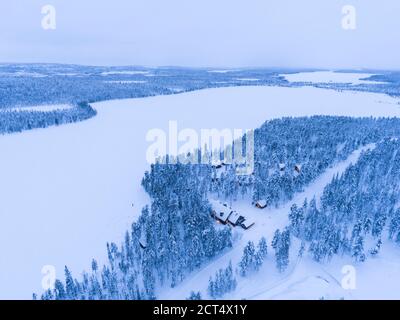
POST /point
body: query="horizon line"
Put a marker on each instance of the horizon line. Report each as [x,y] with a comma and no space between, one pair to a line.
[232,68]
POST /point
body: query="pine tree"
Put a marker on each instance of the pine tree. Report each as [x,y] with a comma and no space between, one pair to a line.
[296,217]
[224,282]
[261,254]
[263,247]
[59,291]
[230,281]
[276,239]
[69,285]
[375,251]
[281,244]
[248,259]
[95,266]
[358,249]
[194,296]
[211,288]
[302,249]
[394,227]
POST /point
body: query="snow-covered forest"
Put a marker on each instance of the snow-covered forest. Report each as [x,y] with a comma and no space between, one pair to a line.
[38,84]
[358,210]
[175,236]
[324,186]
[199,150]
[12,121]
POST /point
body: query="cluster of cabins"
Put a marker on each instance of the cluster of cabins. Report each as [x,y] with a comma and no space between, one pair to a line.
[217,164]
[226,215]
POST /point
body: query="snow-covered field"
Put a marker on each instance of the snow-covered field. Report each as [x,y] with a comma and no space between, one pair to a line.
[330,77]
[66,191]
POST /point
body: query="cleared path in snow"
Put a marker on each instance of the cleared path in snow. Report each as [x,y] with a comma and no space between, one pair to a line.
[65,191]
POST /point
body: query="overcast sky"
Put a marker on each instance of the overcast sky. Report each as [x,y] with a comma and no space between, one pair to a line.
[230,33]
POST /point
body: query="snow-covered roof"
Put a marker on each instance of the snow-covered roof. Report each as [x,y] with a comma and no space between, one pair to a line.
[222,211]
[234,217]
[262,203]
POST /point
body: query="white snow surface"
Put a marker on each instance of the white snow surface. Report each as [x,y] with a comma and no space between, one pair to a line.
[66,191]
[222,71]
[330,77]
[247,79]
[125,81]
[125,72]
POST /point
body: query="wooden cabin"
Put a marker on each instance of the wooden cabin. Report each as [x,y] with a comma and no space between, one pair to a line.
[235,219]
[221,212]
[261,204]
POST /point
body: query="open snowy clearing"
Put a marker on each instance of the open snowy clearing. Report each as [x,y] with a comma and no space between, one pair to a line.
[66,191]
[330,77]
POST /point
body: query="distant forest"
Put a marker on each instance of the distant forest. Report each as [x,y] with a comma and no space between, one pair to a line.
[43,84]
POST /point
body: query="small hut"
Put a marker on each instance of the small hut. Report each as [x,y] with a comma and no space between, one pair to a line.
[247,224]
[261,204]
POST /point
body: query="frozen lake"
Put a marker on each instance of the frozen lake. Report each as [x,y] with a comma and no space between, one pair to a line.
[330,77]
